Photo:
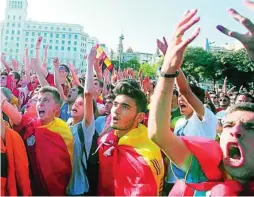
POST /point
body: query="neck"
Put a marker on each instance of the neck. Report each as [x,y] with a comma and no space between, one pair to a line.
[62,80]
[70,106]
[76,120]
[121,133]
[45,122]
[188,116]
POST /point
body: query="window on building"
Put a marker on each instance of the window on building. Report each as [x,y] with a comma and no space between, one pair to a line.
[18,32]
[45,34]
[50,47]
[28,26]
[69,29]
[32,46]
[63,42]
[17,50]
[12,32]
[27,33]
[75,49]
[44,46]
[56,48]
[45,28]
[34,27]
[8,24]
[76,37]
[69,48]
[52,28]
[31,52]
[17,44]
[64,29]
[39,34]
[6,37]
[26,39]
[14,17]
[39,27]
[57,41]
[62,48]
[18,38]
[5,50]
[19,17]
[32,40]
[6,43]
[12,38]
[63,36]
[7,31]
[25,45]
[13,24]
[50,41]
[33,34]
[9,17]
[19,25]
[69,42]
[75,42]
[51,35]
[57,35]
[44,40]
[10,50]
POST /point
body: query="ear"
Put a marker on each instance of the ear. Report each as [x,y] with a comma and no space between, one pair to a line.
[140,117]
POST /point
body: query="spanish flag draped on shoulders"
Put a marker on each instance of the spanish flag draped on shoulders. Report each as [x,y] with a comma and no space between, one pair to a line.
[131,165]
[49,149]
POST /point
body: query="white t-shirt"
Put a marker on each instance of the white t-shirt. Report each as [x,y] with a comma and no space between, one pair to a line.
[196,127]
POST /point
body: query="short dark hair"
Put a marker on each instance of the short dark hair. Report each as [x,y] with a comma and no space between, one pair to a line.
[227,97]
[100,82]
[199,92]
[241,107]
[132,82]
[110,96]
[125,88]
[4,73]
[55,93]
[66,68]
[248,96]
[16,75]
[80,90]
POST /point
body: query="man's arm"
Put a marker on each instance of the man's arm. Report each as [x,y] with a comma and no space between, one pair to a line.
[89,89]
[6,65]
[73,74]
[27,67]
[57,78]
[185,91]
[36,67]
[159,116]
[11,111]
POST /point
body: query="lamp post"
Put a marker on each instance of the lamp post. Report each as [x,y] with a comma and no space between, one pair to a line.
[120,49]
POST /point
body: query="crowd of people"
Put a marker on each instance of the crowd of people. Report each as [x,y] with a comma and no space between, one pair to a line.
[120,134]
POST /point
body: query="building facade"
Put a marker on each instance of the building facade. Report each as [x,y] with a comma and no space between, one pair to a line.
[68,42]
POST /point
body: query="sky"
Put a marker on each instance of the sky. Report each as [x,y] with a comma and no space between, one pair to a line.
[141,21]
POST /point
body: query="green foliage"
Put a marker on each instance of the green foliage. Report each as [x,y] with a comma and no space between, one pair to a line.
[149,70]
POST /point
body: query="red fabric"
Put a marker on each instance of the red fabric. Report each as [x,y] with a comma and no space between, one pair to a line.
[50,80]
[123,172]
[48,157]
[15,91]
[209,159]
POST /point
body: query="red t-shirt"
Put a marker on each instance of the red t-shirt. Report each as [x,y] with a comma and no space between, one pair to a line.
[15,91]
[50,80]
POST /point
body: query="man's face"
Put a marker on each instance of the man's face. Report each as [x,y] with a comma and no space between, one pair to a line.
[124,113]
[12,75]
[31,104]
[184,107]
[73,94]
[34,80]
[63,73]
[77,110]
[3,81]
[242,99]
[224,102]
[46,107]
[214,99]
[108,105]
[237,144]
[97,87]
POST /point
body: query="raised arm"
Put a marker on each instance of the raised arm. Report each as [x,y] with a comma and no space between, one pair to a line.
[246,39]
[38,48]
[11,111]
[159,116]
[27,66]
[89,89]
[36,67]
[57,78]
[73,74]
[6,65]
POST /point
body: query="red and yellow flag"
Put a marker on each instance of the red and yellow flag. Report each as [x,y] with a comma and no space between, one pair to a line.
[131,165]
[104,60]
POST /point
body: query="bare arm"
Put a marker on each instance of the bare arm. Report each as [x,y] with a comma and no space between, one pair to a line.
[159,116]
[44,62]
[6,65]
[89,88]
[27,67]
[185,90]
[36,67]
[57,79]
[73,74]
[11,111]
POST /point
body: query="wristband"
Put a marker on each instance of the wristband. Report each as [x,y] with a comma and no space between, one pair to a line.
[170,75]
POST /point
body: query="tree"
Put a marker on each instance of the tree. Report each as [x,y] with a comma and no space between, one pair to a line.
[149,70]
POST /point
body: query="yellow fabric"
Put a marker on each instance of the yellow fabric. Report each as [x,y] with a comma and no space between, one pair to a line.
[60,127]
[99,52]
[14,101]
[138,139]
[107,62]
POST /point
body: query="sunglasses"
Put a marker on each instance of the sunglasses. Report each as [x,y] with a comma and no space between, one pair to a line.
[63,68]
[223,100]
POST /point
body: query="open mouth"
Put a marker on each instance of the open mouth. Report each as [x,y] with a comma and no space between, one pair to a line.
[182,106]
[41,112]
[115,119]
[74,110]
[235,157]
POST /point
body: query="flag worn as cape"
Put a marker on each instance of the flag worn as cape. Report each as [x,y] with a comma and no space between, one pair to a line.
[131,165]
[103,59]
[50,149]
[218,183]
[17,180]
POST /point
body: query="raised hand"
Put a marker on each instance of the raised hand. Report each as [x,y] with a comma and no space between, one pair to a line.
[35,65]
[246,39]
[56,62]
[71,67]
[15,65]
[163,46]
[175,51]
[38,43]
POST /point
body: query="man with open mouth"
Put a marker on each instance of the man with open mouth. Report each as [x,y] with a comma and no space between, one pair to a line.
[205,167]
